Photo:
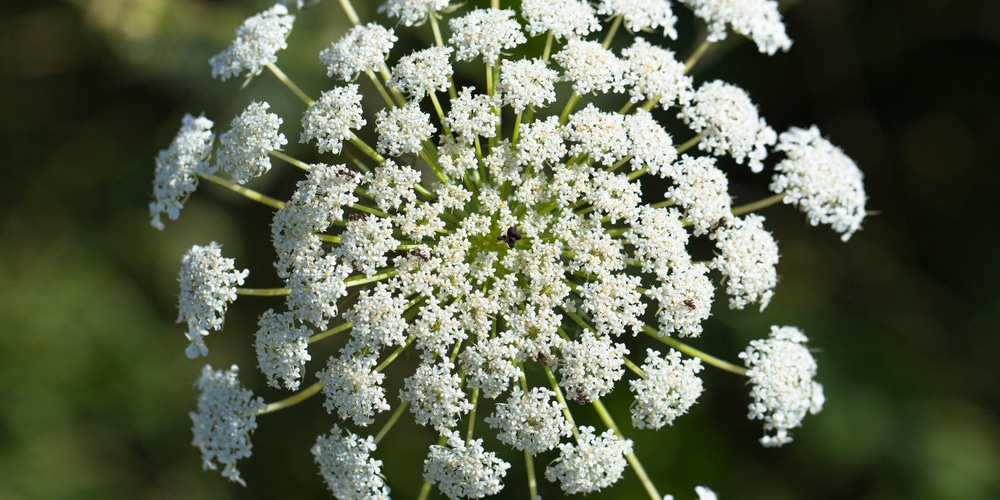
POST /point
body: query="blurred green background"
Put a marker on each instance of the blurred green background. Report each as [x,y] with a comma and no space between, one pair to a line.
[95,387]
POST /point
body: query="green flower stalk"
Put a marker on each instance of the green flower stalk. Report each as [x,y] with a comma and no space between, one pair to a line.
[498,233]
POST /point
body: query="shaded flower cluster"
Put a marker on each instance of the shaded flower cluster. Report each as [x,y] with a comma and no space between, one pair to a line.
[496,241]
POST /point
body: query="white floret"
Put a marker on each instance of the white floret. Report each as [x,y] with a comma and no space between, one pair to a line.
[747,258]
[178,166]
[669,389]
[207,285]
[592,464]
[347,467]
[485,32]
[282,349]
[256,43]
[331,118]
[758,20]
[245,147]
[362,48]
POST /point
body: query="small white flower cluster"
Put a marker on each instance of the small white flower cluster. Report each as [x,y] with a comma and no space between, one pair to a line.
[347,466]
[208,284]
[821,180]
[256,43]
[245,147]
[226,416]
[670,388]
[781,370]
[518,276]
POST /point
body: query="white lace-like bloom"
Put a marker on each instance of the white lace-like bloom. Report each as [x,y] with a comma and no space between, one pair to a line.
[315,286]
[436,329]
[362,48]
[463,469]
[256,43]
[226,417]
[347,467]
[758,20]
[427,70]
[390,184]
[485,32]
[655,74]
[178,166]
[671,387]
[642,15]
[652,147]
[590,367]
[365,242]
[613,303]
[781,371]
[592,464]
[730,122]
[208,285]
[531,422]
[435,395]
[245,147]
[659,240]
[412,12]
[685,299]
[591,67]
[541,142]
[282,349]
[747,258]
[527,82]
[377,318]
[489,366]
[601,135]
[472,116]
[330,119]
[821,180]
[353,388]
[402,130]
[703,191]
[563,18]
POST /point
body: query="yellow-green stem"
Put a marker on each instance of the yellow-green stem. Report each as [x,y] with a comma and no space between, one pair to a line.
[288,159]
[472,415]
[570,104]
[529,464]
[359,280]
[248,193]
[633,460]
[294,399]
[611,32]
[562,401]
[349,10]
[381,88]
[290,84]
[392,421]
[690,143]
[759,204]
[366,149]
[331,332]
[634,367]
[262,292]
[700,51]
[691,351]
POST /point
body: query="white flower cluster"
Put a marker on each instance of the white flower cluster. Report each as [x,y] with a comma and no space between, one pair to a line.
[347,466]
[503,239]
[226,416]
[208,285]
[782,369]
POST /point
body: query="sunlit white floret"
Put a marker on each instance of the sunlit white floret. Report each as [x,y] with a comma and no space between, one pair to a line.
[642,15]
[256,43]
[781,371]
[362,48]
[821,180]
[353,388]
[671,386]
[591,464]
[245,147]
[282,349]
[563,18]
[526,82]
[463,469]
[758,20]
[656,75]
[730,123]
[435,395]
[402,130]
[331,118]
[591,67]
[531,422]
[747,258]
[485,32]
[423,71]
[412,12]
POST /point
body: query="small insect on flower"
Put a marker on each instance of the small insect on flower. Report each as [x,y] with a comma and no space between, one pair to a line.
[690,304]
[420,254]
[510,237]
[717,225]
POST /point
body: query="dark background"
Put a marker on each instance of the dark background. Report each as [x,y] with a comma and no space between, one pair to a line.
[95,389]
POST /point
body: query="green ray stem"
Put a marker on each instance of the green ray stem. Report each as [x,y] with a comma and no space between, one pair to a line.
[294,399]
[633,460]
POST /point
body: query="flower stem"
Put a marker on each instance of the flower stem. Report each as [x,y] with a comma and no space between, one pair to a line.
[691,351]
[562,401]
[757,205]
[570,104]
[358,279]
[690,143]
[288,159]
[633,460]
[392,421]
[611,32]
[263,292]
[290,84]
[529,465]
[294,399]
[331,332]
[249,193]
[472,415]
[700,51]
[349,10]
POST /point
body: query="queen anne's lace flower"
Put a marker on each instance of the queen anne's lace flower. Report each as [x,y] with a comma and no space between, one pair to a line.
[257,41]
[208,285]
[729,120]
[463,469]
[781,371]
[592,464]
[282,349]
[821,180]
[226,417]
[245,147]
[670,388]
[178,166]
[347,467]
[362,48]
[500,238]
